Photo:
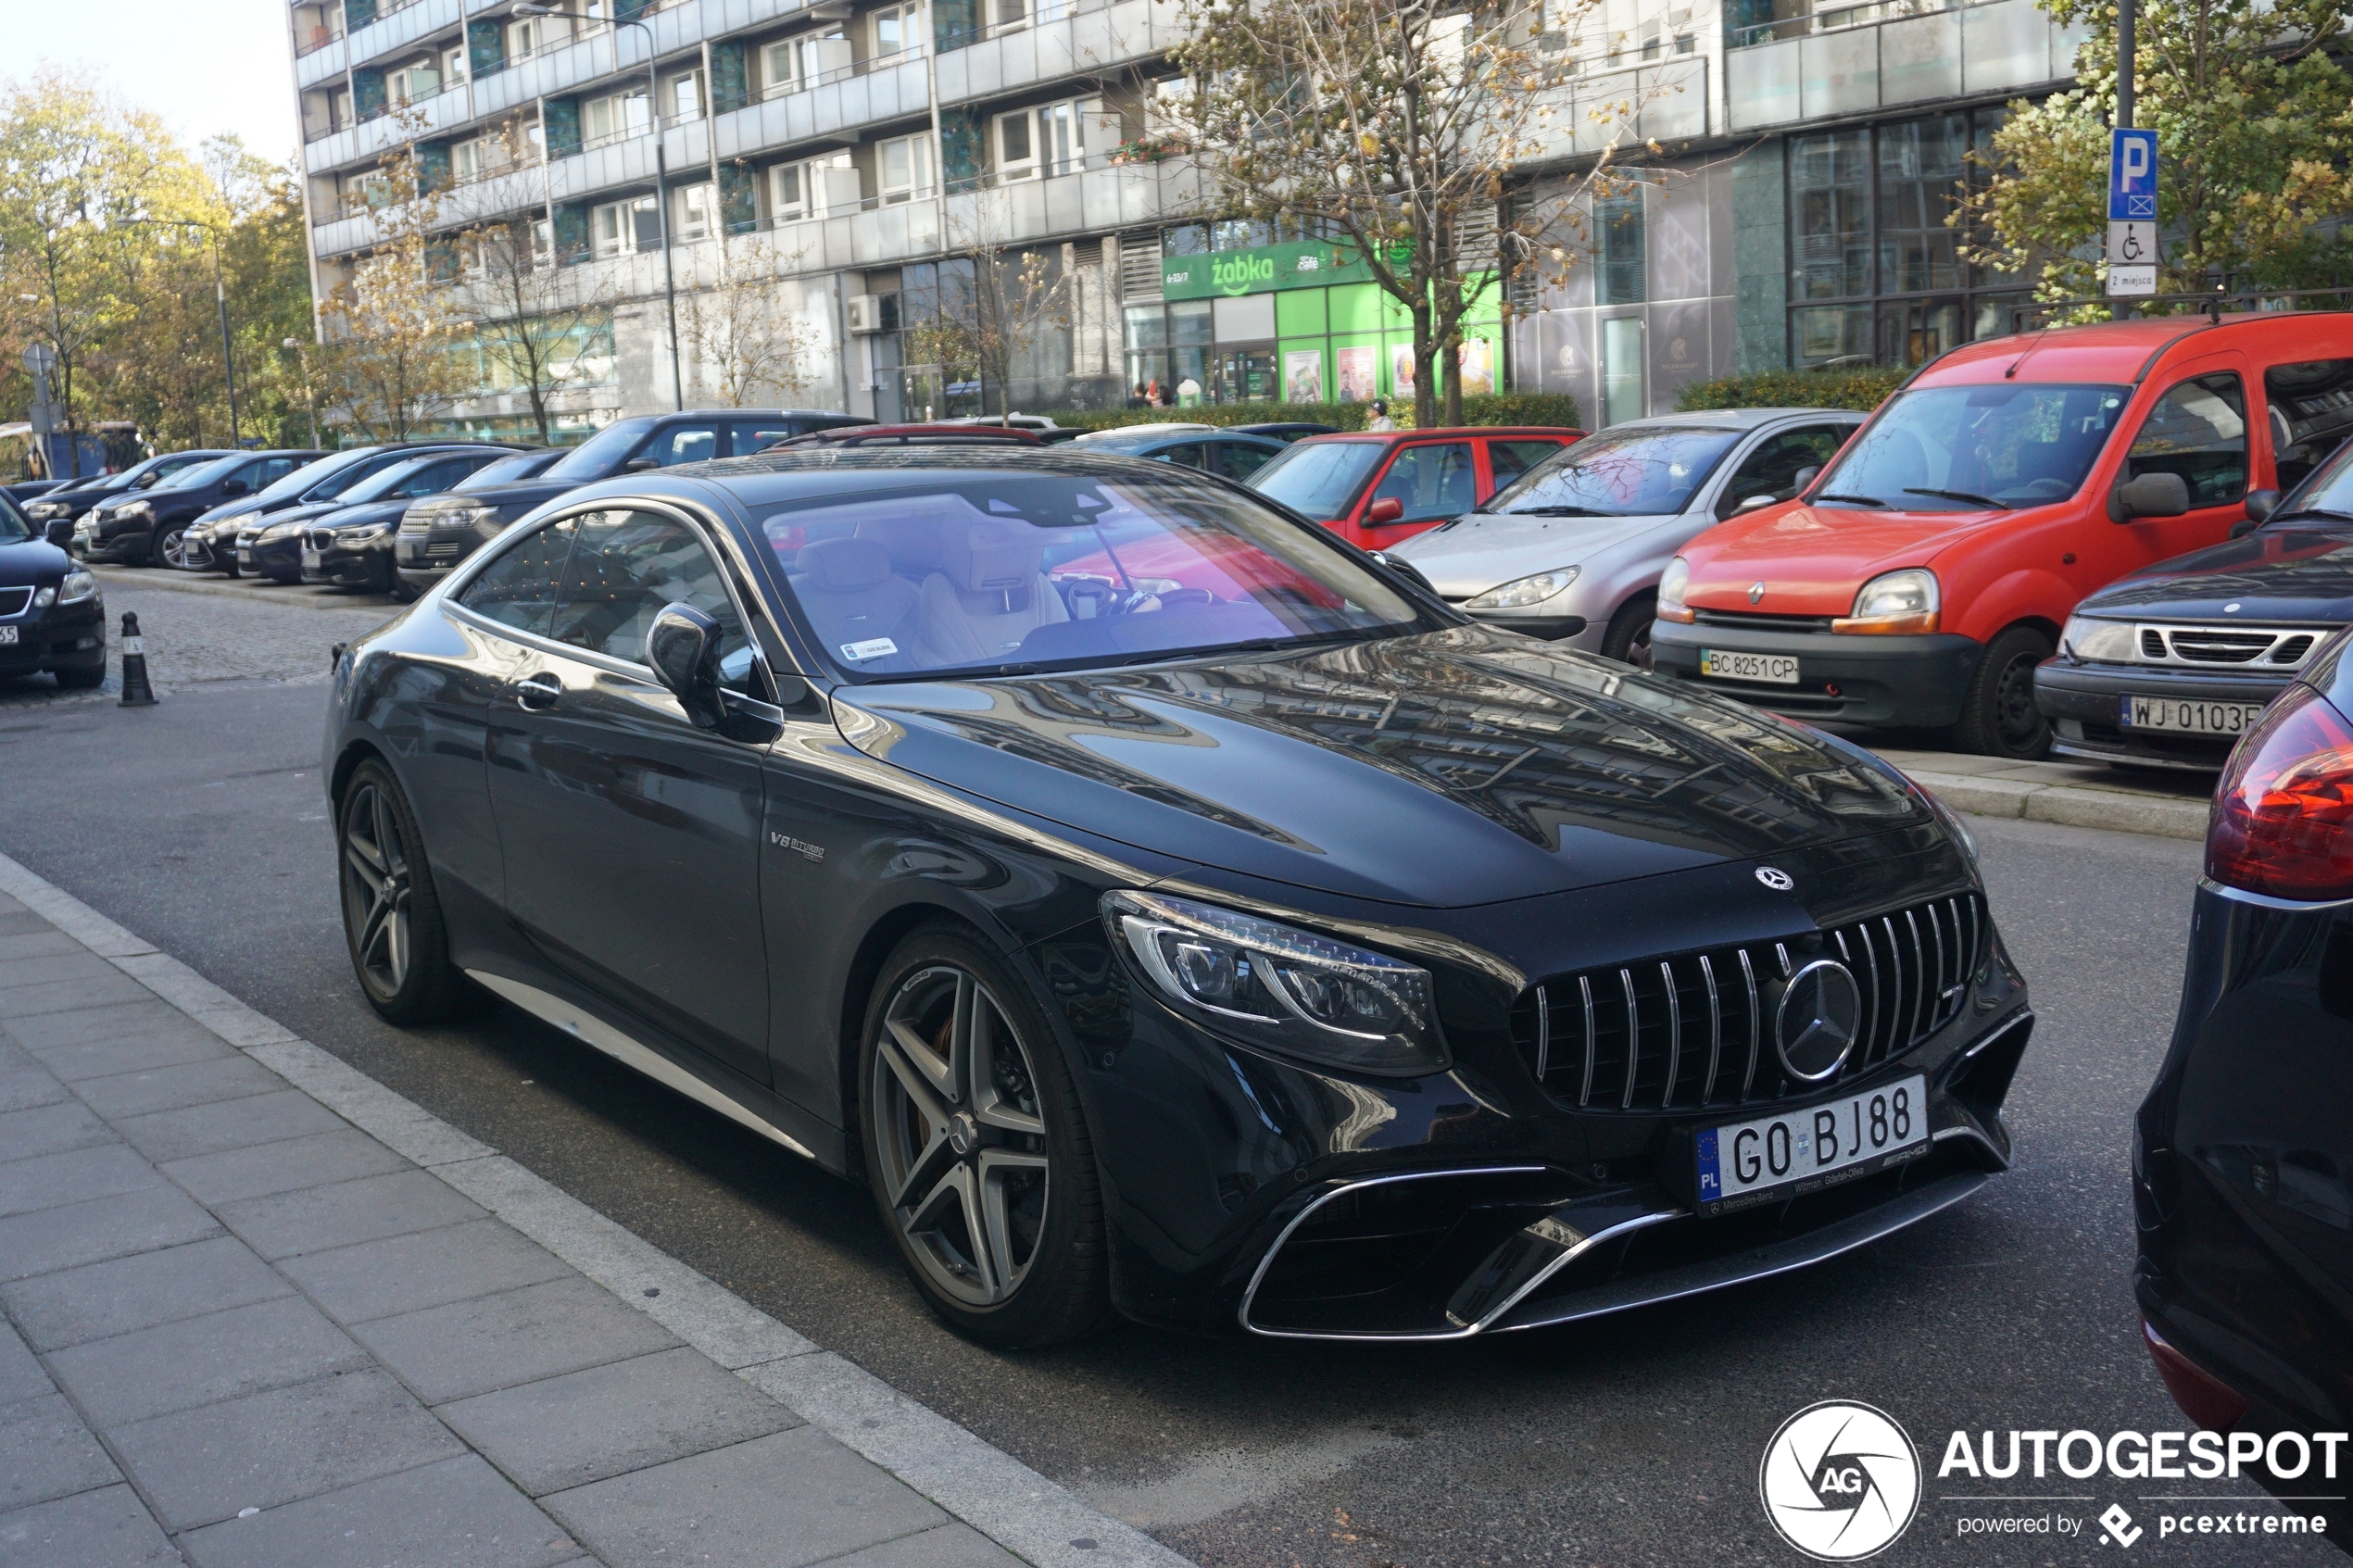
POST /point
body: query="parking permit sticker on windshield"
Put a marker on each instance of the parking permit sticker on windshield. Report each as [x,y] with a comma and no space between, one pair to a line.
[874,647]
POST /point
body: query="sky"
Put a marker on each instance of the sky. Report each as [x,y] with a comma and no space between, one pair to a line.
[205,65]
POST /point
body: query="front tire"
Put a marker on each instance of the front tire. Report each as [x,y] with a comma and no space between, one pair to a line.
[976,1148]
[1998,716]
[1629,637]
[391,914]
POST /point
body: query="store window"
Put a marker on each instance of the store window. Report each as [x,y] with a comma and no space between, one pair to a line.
[1621,275]
[1877,273]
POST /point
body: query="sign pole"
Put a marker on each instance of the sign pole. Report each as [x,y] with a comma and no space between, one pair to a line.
[2126,53]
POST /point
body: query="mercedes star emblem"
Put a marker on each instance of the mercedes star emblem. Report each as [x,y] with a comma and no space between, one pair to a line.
[1818,1021]
[1755,592]
[1775,878]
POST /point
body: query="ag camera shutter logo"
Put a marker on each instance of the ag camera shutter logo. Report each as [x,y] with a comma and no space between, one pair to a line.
[1840,1481]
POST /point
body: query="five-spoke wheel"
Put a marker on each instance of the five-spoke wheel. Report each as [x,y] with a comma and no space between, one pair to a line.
[391,916]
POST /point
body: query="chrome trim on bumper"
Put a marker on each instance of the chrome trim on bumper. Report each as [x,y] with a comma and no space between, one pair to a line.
[2264,901]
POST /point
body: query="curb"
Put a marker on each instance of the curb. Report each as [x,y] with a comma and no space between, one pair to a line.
[2068,804]
[304,596]
[1030,1516]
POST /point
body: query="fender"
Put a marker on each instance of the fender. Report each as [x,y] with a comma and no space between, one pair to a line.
[2024,593]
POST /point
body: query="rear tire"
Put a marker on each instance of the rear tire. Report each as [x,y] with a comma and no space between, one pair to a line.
[1629,637]
[1998,716]
[392,919]
[976,1148]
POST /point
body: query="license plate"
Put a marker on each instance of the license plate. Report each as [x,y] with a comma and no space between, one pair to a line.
[1800,1151]
[1777,668]
[2187,716]
[7,636]
[245,557]
[310,558]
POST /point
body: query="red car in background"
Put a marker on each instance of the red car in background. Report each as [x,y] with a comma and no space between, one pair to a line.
[1374,489]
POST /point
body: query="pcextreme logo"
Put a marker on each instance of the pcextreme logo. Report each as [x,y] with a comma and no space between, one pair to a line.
[1840,1481]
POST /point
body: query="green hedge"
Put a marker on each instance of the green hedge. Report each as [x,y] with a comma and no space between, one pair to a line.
[1488,408]
[1863,387]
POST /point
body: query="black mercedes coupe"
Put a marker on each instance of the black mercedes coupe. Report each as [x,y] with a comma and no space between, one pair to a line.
[1165,908]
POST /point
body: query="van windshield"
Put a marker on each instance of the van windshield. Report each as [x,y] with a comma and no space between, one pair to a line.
[1975,449]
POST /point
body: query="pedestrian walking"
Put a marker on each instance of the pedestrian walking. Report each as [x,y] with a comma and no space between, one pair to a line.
[1380,420]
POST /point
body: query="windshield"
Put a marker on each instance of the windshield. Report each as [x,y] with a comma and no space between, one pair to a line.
[2326,494]
[385,481]
[1968,449]
[324,479]
[1318,478]
[1010,573]
[1634,471]
[203,474]
[522,465]
[602,452]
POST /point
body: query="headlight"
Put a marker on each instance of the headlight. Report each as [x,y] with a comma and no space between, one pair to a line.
[1671,583]
[1523,592]
[460,518]
[1287,990]
[134,509]
[362,532]
[1894,602]
[79,586]
[2104,642]
[41,511]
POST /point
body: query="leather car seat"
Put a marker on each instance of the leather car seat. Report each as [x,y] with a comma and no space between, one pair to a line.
[856,602]
[988,593]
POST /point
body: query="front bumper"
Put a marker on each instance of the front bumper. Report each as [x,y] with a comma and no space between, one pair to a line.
[2086,702]
[1551,628]
[1910,681]
[367,564]
[61,637]
[124,545]
[278,558]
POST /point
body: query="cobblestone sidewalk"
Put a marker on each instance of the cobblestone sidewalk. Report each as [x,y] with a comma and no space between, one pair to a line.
[261,1310]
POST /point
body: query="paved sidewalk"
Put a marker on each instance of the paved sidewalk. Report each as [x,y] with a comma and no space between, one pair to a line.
[2090,794]
[261,1310]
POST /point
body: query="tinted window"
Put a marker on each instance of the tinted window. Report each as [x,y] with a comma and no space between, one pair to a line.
[1007,569]
[206,473]
[2016,444]
[602,453]
[1634,471]
[519,589]
[1771,469]
[683,444]
[1318,478]
[2197,429]
[1512,458]
[1237,461]
[753,438]
[1194,455]
[625,567]
[2311,413]
[522,465]
[1433,480]
[269,472]
[415,477]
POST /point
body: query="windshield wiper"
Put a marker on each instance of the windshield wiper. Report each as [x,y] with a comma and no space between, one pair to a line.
[1554,511]
[1859,500]
[2322,513]
[1961,496]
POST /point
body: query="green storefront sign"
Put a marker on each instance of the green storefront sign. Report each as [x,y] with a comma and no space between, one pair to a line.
[1311,264]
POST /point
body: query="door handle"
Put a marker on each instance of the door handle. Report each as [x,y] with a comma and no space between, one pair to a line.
[537,692]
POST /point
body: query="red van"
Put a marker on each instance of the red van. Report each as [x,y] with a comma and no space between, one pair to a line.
[1376,488]
[1921,577]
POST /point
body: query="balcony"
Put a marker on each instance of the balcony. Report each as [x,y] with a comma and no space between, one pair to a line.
[1855,60]
[1659,102]
[837,107]
[1072,39]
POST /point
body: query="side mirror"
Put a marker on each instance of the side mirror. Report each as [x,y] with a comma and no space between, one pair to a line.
[148,480]
[1753,502]
[2152,495]
[2261,504]
[639,464]
[1804,477]
[59,532]
[233,487]
[1389,508]
[683,647]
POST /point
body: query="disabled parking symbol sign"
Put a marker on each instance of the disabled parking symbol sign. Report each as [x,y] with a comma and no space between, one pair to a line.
[2132,176]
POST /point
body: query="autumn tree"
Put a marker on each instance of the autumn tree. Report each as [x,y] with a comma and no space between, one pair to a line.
[2254,136]
[988,324]
[745,347]
[1396,129]
[388,329]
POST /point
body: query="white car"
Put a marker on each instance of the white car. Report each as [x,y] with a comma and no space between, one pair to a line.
[1572,550]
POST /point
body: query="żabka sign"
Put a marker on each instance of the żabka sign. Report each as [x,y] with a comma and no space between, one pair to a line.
[1308,264]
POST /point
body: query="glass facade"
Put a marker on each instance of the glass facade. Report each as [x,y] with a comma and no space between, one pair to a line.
[1876,273]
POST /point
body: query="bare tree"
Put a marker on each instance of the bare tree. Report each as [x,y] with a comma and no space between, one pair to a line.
[1397,129]
[745,348]
[1017,293]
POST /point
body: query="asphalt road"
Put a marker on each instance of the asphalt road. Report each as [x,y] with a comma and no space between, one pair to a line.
[1634,1439]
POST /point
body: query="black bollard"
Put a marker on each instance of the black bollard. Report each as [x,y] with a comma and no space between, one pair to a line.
[137,693]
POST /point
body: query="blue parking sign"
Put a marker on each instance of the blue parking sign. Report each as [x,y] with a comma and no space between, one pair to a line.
[2131,175]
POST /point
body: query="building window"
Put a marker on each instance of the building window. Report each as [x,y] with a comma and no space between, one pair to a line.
[787,192]
[690,212]
[413,84]
[613,118]
[468,160]
[904,166]
[798,64]
[1621,273]
[896,28]
[685,98]
[1876,273]
[797,191]
[622,227]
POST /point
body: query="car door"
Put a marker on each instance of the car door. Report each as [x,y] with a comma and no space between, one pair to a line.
[631,839]
[1508,457]
[1771,465]
[1236,459]
[1434,480]
[683,441]
[2197,428]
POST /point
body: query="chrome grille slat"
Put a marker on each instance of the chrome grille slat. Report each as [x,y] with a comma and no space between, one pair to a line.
[1914,982]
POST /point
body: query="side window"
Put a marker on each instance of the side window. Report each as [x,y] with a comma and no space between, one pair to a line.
[2198,430]
[1435,481]
[1237,461]
[751,438]
[625,567]
[519,589]
[673,445]
[433,479]
[1512,458]
[1771,469]
[268,471]
[2311,406]
[1194,456]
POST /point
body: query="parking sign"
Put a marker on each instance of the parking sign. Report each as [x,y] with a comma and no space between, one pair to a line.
[2131,175]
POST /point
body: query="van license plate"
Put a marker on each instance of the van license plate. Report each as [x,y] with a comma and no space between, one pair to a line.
[1807,1148]
[1776,669]
[2187,716]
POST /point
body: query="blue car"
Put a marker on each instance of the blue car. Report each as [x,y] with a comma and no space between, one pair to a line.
[1230,454]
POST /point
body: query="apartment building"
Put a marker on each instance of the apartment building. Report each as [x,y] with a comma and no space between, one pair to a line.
[861,155]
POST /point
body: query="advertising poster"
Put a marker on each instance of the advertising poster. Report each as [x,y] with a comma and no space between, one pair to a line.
[1478,358]
[1401,370]
[1303,376]
[1359,372]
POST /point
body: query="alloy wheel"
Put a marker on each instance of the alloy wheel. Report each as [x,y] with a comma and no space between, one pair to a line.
[376,890]
[960,1135]
[173,547]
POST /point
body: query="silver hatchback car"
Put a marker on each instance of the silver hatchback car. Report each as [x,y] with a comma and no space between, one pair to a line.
[1571,551]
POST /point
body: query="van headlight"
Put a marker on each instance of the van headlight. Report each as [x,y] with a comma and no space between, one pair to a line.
[1894,602]
[1523,592]
[1286,990]
[2103,641]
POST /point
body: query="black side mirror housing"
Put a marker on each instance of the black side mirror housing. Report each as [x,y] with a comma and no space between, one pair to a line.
[2152,495]
[1407,570]
[639,464]
[59,532]
[233,487]
[2260,504]
[683,647]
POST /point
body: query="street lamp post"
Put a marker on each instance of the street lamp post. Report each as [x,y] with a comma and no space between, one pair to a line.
[661,173]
